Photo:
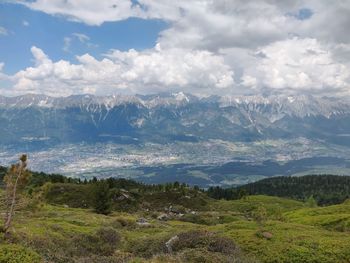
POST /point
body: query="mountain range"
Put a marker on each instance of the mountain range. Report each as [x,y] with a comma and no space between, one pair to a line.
[182,117]
[162,129]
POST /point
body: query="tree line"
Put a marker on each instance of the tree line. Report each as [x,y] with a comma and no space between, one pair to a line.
[325,189]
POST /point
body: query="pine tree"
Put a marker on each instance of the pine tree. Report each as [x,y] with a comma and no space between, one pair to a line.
[102,203]
[311,202]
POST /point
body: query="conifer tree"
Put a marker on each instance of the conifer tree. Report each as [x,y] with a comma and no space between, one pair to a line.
[15,180]
[102,202]
[311,202]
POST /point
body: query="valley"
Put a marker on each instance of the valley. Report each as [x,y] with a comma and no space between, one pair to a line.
[212,162]
[167,137]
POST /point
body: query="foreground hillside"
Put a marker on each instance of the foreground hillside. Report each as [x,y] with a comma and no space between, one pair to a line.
[226,232]
[170,223]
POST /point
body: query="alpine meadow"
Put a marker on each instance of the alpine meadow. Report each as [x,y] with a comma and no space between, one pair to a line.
[140,131]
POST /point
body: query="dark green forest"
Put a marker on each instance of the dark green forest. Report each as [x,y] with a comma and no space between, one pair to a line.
[325,189]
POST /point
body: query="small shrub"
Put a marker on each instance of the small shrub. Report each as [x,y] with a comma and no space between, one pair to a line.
[192,239]
[121,222]
[73,195]
[103,242]
[148,247]
[117,257]
[18,254]
[162,259]
[260,215]
[222,245]
[201,219]
[205,240]
[203,256]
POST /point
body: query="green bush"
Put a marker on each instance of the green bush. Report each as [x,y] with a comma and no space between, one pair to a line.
[115,258]
[73,195]
[203,256]
[200,219]
[148,247]
[204,239]
[103,242]
[17,254]
[123,222]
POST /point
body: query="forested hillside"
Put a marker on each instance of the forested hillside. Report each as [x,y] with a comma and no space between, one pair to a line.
[325,189]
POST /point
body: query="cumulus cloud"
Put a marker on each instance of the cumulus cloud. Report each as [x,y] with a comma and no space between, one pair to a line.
[271,45]
[154,70]
[90,12]
[215,24]
[297,65]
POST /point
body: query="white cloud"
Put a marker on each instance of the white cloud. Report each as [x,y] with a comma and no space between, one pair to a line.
[296,65]
[216,24]
[3,31]
[81,37]
[90,12]
[25,23]
[154,70]
[66,44]
[267,43]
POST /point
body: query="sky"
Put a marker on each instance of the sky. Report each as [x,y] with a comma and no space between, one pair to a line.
[204,47]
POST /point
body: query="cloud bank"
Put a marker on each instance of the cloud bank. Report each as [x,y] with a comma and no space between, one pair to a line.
[210,47]
[132,71]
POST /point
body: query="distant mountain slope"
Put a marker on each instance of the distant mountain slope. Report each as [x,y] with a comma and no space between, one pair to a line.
[171,117]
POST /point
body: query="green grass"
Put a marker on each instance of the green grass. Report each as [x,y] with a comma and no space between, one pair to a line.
[274,206]
[11,253]
[299,234]
[336,217]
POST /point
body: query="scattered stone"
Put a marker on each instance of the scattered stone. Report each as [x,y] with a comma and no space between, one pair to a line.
[169,244]
[174,210]
[142,222]
[267,235]
[123,197]
[163,217]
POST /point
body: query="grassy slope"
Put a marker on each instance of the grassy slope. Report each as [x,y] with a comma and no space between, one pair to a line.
[299,234]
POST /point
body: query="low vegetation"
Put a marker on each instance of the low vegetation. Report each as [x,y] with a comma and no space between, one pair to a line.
[117,220]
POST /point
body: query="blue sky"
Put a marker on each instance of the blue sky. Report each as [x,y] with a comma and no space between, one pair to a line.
[204,47]
[27,28]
